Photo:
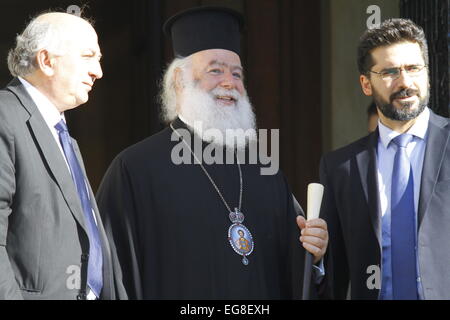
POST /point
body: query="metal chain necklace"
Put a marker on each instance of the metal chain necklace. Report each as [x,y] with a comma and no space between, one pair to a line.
[239,236]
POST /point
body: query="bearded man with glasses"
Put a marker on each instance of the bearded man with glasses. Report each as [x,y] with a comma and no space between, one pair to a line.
[386,199]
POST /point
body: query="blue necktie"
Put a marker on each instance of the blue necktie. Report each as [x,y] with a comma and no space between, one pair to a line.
[403,230]
[95,275]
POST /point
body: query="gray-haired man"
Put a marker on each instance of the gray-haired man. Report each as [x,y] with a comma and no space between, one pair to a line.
[52,242]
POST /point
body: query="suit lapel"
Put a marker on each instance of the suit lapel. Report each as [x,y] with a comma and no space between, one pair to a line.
[437,141]
[367,165]
[50,151]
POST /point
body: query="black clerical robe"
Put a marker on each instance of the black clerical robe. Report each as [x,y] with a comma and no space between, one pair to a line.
[170,227]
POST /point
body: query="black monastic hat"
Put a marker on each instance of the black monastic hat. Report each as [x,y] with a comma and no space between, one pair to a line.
[204,28]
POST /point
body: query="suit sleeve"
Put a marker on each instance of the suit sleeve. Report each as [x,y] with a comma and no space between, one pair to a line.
[9,289]
[336,265]
[116,204]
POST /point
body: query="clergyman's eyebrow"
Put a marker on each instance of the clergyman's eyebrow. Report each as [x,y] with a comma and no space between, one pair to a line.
[223,64]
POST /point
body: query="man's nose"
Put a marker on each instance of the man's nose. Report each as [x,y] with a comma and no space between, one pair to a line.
[405,79]
[228,81]
[96,71]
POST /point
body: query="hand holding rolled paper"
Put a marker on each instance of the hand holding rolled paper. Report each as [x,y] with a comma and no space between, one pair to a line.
[314,234]
[314,231]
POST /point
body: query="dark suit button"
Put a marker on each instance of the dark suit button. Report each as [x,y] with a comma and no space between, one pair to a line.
[85,256]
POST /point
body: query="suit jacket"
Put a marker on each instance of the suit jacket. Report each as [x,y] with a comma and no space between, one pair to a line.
[352,211]
[44,243]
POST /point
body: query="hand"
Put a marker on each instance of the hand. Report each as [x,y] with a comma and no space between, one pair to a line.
[314,236]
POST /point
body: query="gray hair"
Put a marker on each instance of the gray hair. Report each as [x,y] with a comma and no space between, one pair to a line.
[37,35]
[168,97]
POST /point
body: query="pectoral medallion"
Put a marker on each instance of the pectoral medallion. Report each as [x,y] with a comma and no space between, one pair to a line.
[239,236]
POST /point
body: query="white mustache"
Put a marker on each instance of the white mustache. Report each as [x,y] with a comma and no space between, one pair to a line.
[220,92]
[200,105]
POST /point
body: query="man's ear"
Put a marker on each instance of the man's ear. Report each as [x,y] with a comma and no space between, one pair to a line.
[178,80]
[365,85]
[45,62]
[179,86]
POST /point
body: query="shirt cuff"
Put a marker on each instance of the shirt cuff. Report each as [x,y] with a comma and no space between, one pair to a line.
[319,271]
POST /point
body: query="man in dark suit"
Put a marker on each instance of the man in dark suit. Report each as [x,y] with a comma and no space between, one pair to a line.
[52,242]
[387,200]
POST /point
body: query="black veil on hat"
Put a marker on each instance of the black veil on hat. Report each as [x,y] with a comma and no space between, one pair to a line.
[204,28]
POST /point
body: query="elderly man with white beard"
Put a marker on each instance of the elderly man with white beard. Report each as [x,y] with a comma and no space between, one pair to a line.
[198,230]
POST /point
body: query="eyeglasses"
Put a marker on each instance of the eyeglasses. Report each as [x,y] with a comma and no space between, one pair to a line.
[394,73]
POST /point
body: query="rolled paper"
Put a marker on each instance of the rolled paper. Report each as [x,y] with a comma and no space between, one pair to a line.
[315,194]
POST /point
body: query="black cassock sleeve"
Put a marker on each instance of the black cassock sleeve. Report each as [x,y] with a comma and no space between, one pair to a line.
[296,252]
[115,199]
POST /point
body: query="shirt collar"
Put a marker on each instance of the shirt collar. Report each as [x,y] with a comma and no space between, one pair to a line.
[418,129]
[48,110]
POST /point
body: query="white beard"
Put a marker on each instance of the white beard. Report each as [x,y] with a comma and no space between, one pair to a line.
[202,113]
